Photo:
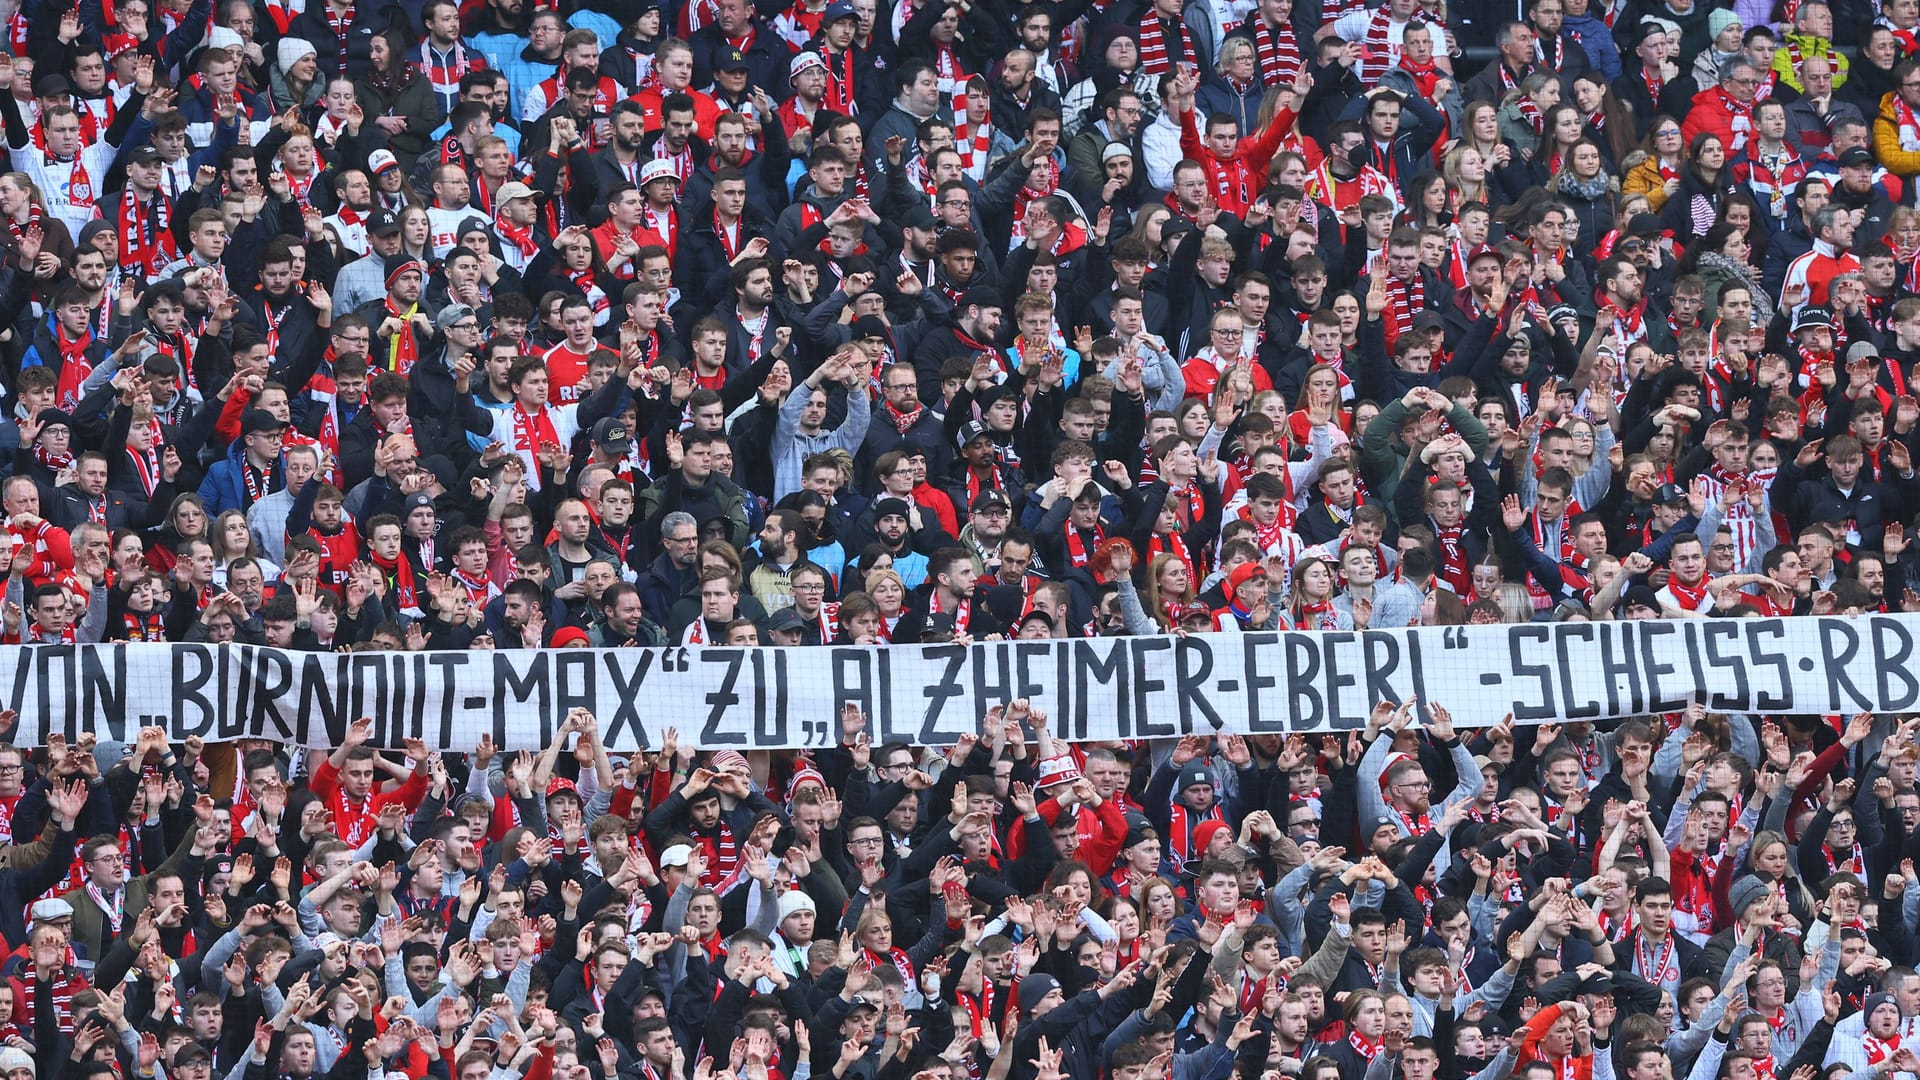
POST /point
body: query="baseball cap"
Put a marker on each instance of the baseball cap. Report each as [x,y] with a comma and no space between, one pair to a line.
[1668,494]
[1644,226]
[839,9]
[1195,610]
[54,84]
[1484,251]
[383,221]
[677,855]
[614,435]
[1856,155]
[258,420]
[786,620]
[514,189]
[1428,319]
[381,160]
[990,499]
[452,314]
[144,154]
[732,60]
[917,216]
[971,430]
[1812,315]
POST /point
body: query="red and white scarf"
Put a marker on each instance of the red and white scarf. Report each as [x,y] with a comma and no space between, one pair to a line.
[1155,60]
[1378,50]
[1278,52]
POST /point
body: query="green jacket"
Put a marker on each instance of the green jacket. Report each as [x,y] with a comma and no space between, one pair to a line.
[1383,456]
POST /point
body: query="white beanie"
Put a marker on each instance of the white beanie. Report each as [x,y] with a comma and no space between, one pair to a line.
[221,37]
[290,50]
[795,900]
[12,1057]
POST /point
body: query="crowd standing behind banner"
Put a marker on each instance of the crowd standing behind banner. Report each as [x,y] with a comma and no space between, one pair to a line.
[434,326]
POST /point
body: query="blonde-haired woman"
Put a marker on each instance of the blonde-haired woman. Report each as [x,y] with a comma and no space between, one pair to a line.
[22,209]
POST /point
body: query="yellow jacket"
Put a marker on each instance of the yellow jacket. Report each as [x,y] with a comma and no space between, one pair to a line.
[1886,141]
[1643,178]
[1807,45]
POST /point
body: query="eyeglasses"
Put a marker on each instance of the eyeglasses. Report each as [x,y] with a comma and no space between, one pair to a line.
[814,587]
[110,860]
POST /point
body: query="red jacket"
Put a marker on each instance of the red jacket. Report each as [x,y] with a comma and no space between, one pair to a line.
[1237,181]
[355,822]
[1716,111]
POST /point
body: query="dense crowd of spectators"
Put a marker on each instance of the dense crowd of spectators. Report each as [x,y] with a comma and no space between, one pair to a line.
[447,325]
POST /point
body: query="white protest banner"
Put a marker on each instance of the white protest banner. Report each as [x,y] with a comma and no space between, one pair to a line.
[1105,688]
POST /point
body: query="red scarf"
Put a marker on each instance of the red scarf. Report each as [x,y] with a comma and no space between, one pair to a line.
[35,219]
[1530,112]
[1378,50]
[962,615]
[1077,554]
[1453,559]
[1267,536]
[1692,598]
[75,365]
[729,238]
[66,983]
[1181,822]
[839,96]
[899,959]
[1404,300]
[340,24]
[904,421]
[531,429]
[1657,968]
[521,237]
[1363,1046]
[399,571]
[1278,52]
[1175,544]
[405,348]
[1154,58]
[971,142]
[584,281]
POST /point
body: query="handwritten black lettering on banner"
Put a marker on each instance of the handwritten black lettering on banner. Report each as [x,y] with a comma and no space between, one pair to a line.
[1127,688]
